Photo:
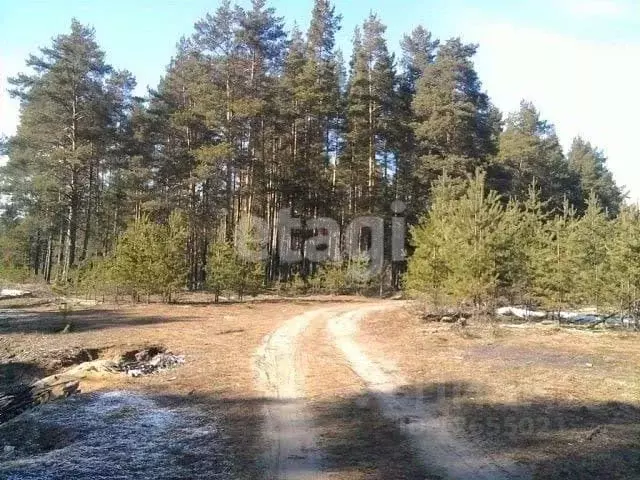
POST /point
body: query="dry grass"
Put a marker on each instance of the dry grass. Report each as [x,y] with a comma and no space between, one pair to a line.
[566,401]
[218,342]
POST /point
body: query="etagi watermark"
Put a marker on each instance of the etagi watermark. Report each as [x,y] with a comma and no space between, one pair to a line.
[364,237]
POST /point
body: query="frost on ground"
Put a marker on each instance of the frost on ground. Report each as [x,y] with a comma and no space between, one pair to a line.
[112,435]
[443,450]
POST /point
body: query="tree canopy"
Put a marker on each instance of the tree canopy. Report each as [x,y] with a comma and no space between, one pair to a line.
[248,120]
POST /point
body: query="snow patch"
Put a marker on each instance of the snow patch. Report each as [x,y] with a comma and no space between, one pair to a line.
[519,312]
[584,318]
[13,293]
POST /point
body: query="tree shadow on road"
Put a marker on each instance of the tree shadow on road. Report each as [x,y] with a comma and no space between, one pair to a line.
[554,440]
[551,440]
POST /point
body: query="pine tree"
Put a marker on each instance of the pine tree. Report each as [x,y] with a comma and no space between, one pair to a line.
[171,262]
[68,111]
[591,167]
[135,256]
[16,240]
[530,151]
[418,53]
[107,205]
[624,244]
[149,258]
[593,283]
[319,99]
[429,268]
[354,161]
[530,233]
[512,253]
[455,125]
[556,266]
[292,171]
[221,269]
[478,220]
[459,243]
[249,264]
[372,116]
[246,121]
[217,41]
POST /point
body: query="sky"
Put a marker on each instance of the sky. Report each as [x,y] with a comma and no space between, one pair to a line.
[576,60]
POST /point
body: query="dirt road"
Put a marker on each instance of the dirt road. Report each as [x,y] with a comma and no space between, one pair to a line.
[326,388]
[291,433]
[292,450]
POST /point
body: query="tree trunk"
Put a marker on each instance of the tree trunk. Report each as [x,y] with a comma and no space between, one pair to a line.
[37,254]
[72,231]
[87,225]
[61,243]
[49,259]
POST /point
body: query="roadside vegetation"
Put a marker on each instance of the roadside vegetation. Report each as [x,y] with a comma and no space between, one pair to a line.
[109,200]
[474,249]
[108,193]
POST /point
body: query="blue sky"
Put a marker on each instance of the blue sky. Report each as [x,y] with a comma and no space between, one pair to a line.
[577,60]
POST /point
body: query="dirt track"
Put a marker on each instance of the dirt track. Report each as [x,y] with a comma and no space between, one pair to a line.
[292,448]
[293,451]
[326,388]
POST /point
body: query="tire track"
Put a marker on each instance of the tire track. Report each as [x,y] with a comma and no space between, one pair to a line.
[289,430]
[442,451]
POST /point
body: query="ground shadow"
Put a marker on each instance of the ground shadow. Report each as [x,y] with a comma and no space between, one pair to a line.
[19,373]
[30,320]
[48,322]
[554,440]
[551,440]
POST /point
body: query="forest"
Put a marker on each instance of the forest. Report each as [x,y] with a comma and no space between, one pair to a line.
[110,192]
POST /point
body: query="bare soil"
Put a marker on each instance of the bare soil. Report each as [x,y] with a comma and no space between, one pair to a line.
[218,342]
[565,403]
[269,390]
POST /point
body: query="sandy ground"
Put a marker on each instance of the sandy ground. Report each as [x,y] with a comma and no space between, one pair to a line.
[320,388]
[288,429]
[218,378]
[443,450]
[564,403]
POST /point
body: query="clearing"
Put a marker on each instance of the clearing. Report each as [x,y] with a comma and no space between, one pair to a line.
[324,387]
